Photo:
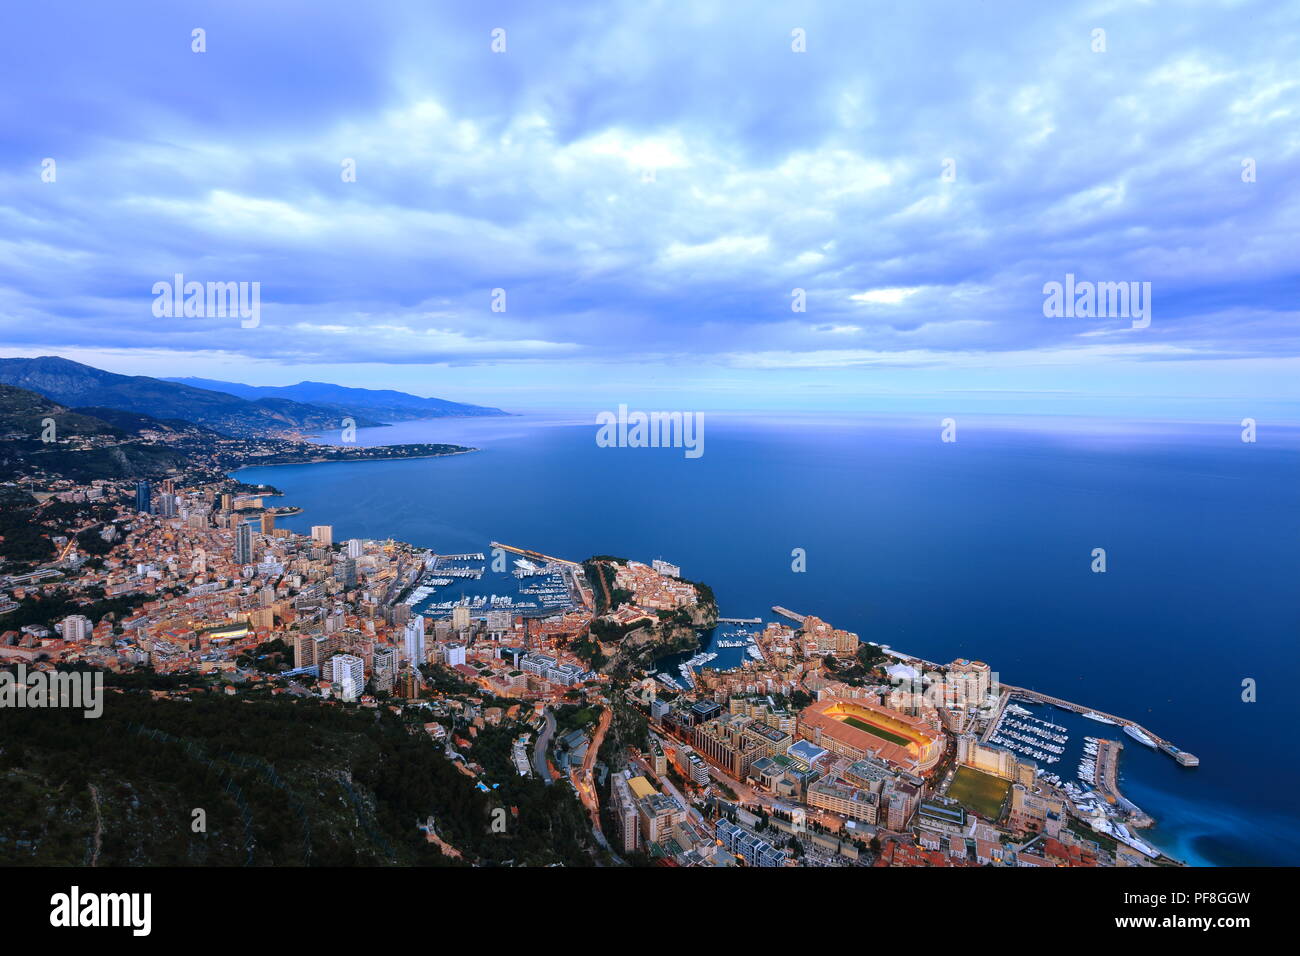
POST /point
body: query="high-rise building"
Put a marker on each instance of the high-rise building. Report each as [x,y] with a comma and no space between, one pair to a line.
[348,673]
[307,650]
[142,502]
[167,505]
[659,813]
[323,534]
[384,671]
[460,617]
[227,502]
[624,811]
[244,543]
[408,684]
[967,683]
[268,522]
[414,645]
[76,628]
[346,572]
[356,547]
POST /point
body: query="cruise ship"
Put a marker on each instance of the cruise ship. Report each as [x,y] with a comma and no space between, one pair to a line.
[1133,731]
[1093,715]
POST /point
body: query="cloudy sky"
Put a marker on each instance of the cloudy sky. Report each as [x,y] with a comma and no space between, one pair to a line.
[650,182]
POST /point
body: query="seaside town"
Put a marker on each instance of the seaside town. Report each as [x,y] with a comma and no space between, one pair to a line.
[816,748]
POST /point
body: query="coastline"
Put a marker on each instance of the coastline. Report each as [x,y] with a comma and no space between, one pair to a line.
[1158,786]
[347,461]
[1108,787]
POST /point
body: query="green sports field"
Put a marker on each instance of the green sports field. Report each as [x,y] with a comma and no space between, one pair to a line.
[979,792]
[878,731]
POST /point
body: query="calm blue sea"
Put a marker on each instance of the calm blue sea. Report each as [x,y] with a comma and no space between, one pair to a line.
[978,548]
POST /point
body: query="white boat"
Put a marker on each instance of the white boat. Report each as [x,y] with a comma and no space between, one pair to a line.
[1133,731]
[1092,715]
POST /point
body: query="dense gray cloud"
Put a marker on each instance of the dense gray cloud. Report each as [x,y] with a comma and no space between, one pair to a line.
[648,182]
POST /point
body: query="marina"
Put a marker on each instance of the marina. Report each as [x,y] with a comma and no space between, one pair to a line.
[722,648]
[1134,730]
[533,587]
[687,667]
[1093,788]
[1017,730]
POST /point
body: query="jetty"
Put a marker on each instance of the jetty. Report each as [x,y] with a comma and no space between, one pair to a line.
[537,555]
[740,620]
[996,717]
[786,612]
[1184,758]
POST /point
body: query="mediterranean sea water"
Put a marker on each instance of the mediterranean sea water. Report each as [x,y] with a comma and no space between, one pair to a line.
[979,548]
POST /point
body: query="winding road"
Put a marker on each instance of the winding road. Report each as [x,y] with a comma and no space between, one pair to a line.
[543,746]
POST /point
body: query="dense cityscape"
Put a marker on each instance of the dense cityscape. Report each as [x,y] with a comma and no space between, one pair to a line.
[818,749]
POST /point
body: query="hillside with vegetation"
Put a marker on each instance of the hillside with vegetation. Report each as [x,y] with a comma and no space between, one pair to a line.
[280,781]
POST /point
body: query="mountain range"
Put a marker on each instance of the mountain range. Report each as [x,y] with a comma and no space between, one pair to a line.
[219,405]
[385,404]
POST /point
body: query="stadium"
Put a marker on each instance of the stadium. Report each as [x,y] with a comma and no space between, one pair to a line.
[858,728]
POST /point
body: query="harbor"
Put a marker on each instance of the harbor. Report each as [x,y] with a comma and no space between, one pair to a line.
[531,587]
[1018,730]
[726,649]
[1132,728]
[1093,788]
[1044,754]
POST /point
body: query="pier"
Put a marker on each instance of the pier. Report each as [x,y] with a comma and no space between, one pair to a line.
[533,554]
[1106,783]
[992,728]
[1183,757]
[478,556]
[740,620]
[786,612]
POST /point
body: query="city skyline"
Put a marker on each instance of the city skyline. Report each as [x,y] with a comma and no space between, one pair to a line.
[922,176]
